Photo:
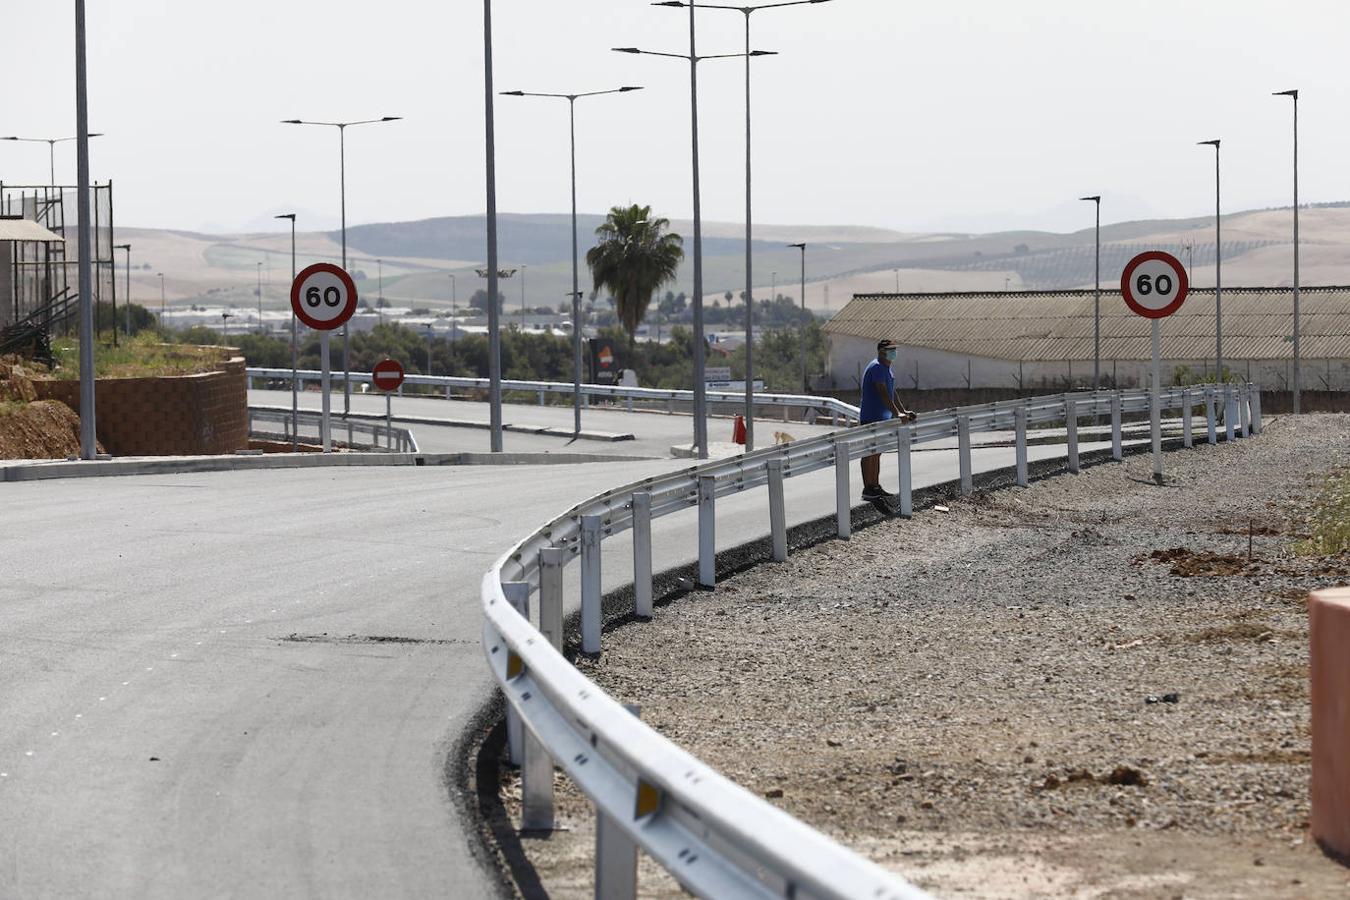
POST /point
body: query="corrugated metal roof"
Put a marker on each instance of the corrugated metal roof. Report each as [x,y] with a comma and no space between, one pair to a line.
[1045,326]
[14,229]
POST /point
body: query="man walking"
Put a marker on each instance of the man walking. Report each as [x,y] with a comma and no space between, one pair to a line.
[879,403]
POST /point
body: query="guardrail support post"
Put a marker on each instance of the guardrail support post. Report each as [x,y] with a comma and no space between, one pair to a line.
[616,856]
[551,562]
[843,508]
[1210,425]
[963,451]
[447,392]
[777,511]
[518,595]
[541,398]
[1256,410]
[1186,436]
[590,584]
[785,415]
[1229,413]
[904,441]
[1020,420]
[1244,412]
[707,531]
[1116,450]
[642,554]
[630,402]
[1071,424]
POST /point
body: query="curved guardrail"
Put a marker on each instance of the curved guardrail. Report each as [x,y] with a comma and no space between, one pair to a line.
[308,427]
[839,412]
[717,839]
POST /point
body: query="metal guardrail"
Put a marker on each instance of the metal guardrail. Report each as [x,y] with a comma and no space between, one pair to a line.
[382,438]
[717,839]
[840,413]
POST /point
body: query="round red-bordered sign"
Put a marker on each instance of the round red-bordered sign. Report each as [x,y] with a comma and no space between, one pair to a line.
[1154,284]
[323,296]
[387,375]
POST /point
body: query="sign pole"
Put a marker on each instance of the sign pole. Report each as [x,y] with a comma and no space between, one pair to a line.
[1155,403]
[389,419]
[325,430]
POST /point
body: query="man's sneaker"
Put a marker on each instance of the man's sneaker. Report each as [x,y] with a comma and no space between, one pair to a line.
[873,492]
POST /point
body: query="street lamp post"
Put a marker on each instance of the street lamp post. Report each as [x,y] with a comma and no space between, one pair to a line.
[51,147]
[1218,268]
[342,181]
[495,350]
[1097,299]
[225,327]
[806,388]
[1298,358]
[126,300]
[260,324]
[576,288]
[161,298]
[749,274]
[295,352]
[700,351]
[454,321]
[88,425]
[523,267]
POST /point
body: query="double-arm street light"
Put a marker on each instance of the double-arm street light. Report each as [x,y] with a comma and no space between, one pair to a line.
[342,180]
[1298,359]
[1218,267]
[749,275]
[51,147]
[700,351]
[295,387]
[576,289]
[1097,299]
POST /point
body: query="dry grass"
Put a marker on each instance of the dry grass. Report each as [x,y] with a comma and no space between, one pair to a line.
[1329,524]
[143,356]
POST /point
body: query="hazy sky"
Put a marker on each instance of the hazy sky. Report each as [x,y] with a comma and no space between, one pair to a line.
[968,115]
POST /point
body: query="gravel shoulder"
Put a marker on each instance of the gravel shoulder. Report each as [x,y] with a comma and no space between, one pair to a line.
[1083,688]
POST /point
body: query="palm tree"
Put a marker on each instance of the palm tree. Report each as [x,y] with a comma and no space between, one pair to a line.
[634,258]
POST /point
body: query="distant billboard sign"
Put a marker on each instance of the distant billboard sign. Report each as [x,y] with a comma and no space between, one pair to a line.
[605,364]
[717,373]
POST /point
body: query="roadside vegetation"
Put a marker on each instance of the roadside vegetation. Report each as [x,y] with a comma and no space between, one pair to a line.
[1329,524]
[140,356]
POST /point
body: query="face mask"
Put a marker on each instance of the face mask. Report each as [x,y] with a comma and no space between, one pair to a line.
[890,355]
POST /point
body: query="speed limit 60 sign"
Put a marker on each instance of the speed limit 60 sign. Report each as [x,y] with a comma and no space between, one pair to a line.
[323,296]
[1154,284]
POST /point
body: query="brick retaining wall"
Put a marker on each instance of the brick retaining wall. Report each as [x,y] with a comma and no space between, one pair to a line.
[166,415]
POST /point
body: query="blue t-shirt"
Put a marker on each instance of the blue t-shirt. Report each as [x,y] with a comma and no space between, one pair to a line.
[873,408]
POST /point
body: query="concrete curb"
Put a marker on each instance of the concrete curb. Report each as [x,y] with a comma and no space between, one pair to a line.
[45,470]
[547,431]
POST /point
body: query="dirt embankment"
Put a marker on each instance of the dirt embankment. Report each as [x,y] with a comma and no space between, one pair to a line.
[1090,687]
[32,428]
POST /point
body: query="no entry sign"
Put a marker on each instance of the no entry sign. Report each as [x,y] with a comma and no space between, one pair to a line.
[323,296]
[387,375]
[1154,284]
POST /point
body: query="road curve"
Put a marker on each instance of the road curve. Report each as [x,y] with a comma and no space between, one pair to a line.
[199,687]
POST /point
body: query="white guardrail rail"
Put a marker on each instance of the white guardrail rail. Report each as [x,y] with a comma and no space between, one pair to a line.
[840,413]
[381,438]
[717,839]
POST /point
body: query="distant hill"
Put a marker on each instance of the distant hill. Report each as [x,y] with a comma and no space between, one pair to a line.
[417,258]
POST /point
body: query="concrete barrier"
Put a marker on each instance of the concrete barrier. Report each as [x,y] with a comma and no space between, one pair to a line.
[1329,665]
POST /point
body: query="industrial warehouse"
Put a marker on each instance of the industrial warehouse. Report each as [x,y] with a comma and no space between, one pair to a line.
[1025,340]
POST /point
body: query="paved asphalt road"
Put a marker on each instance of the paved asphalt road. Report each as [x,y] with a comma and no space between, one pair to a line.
[162,736]
[655,433]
